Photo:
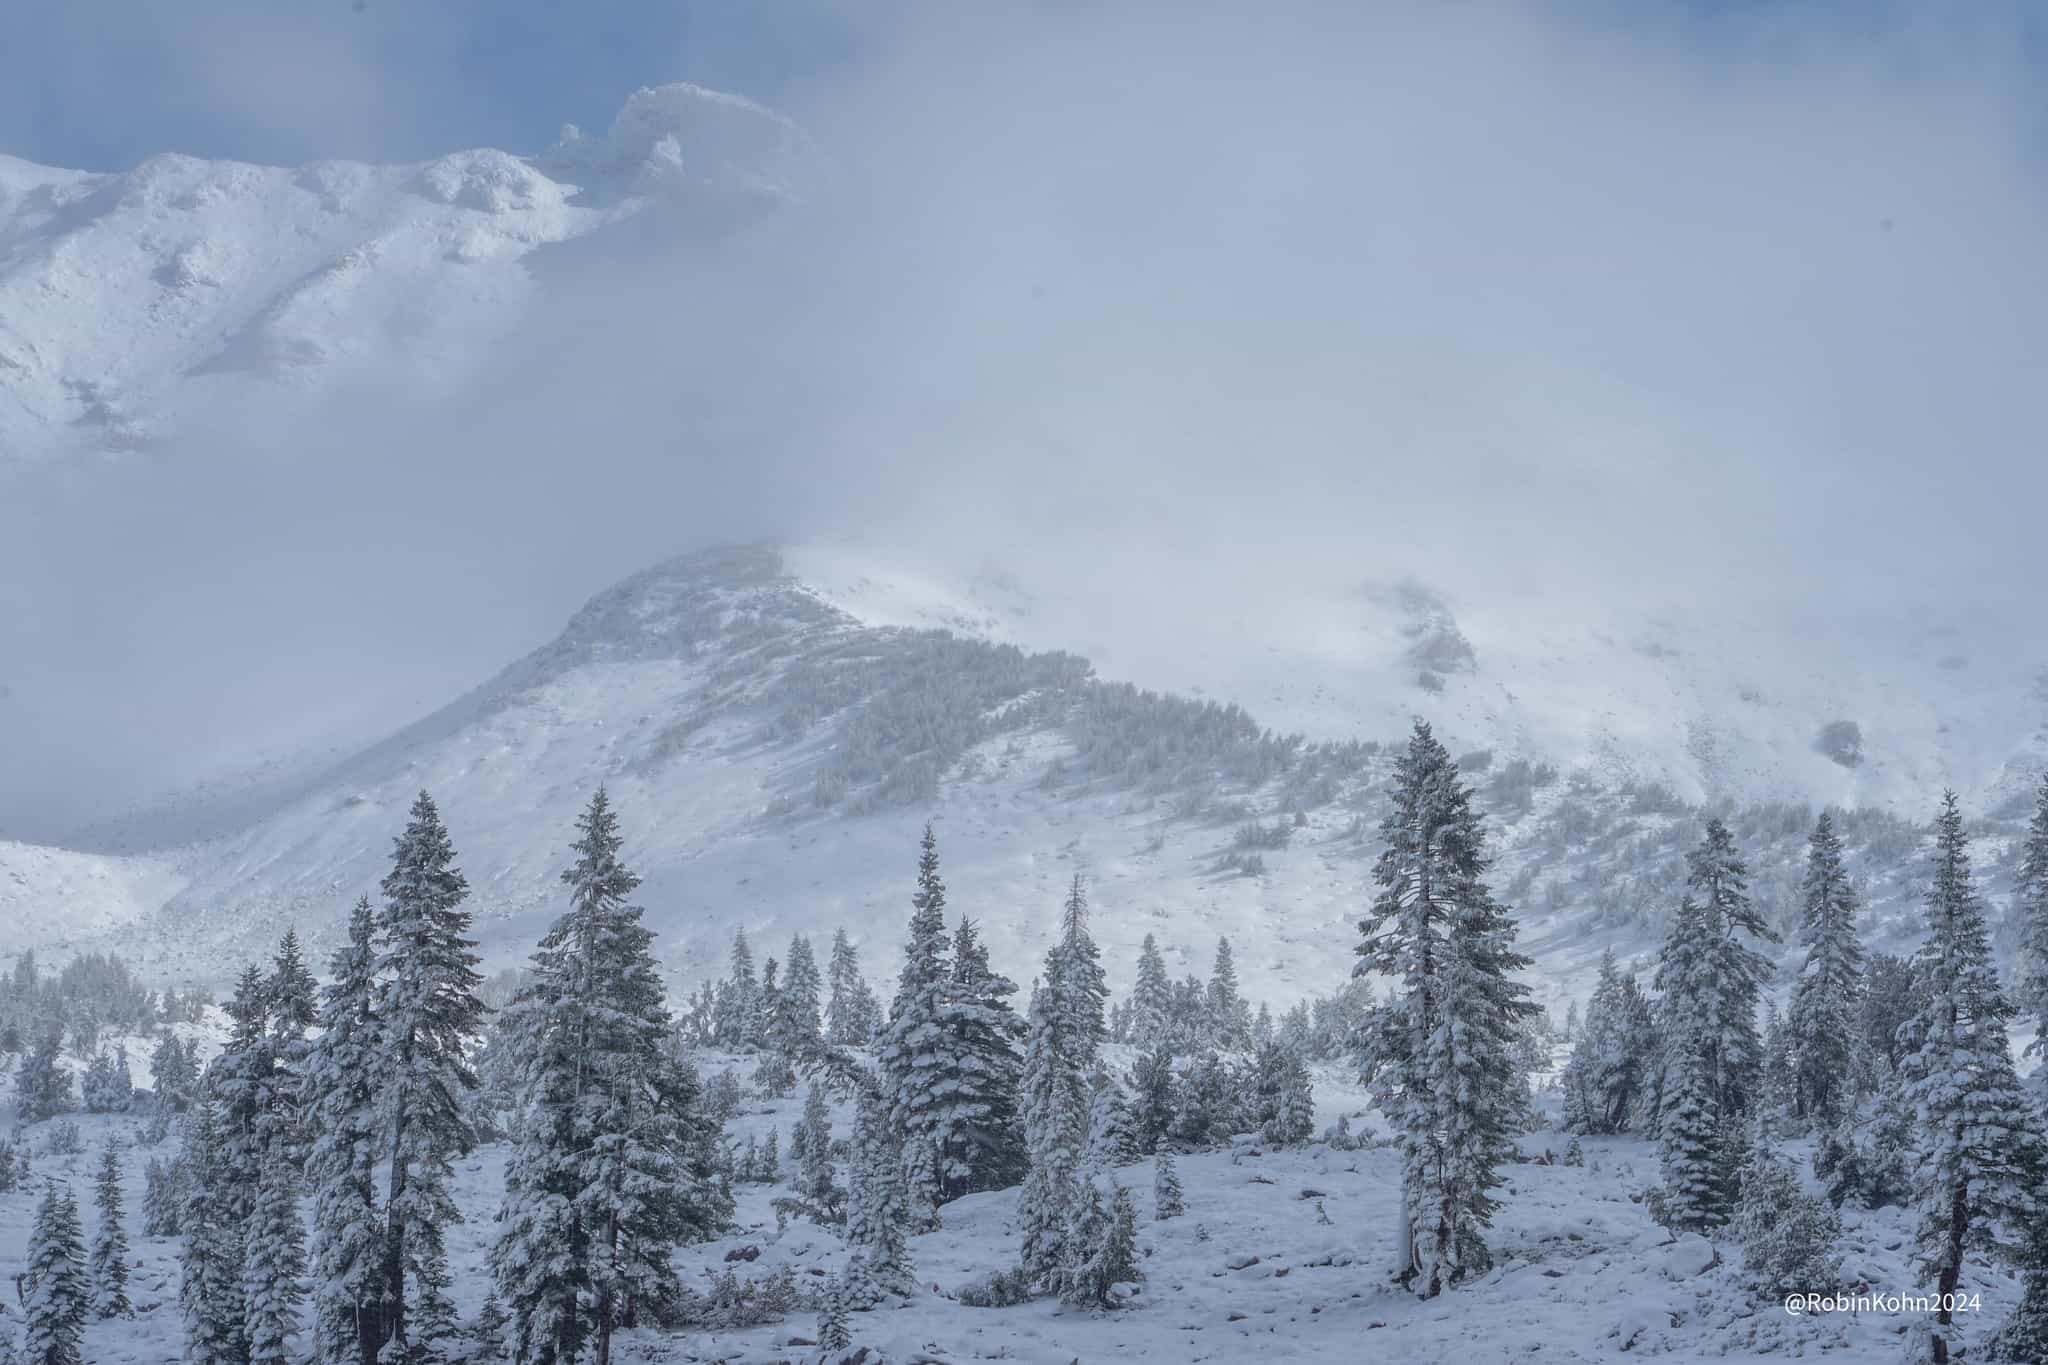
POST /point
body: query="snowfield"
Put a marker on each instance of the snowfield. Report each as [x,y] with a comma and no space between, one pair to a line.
[1250,1272]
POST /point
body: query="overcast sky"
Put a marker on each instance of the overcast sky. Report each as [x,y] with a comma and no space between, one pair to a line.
[1676,304]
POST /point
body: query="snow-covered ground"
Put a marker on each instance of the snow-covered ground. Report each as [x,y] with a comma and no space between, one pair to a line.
[1250,1272]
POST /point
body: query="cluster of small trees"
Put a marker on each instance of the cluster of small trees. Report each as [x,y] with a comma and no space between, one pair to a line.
[1902,1070]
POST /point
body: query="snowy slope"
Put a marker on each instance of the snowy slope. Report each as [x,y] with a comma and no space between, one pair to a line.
[775,726]
[55,898]
[1727,706]
[129,300]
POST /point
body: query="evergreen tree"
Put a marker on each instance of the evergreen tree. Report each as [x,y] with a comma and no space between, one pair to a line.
[488,1333]
[1112,1135]
[1152,1097]
[1105,1247]
[1607,1077]
[818,1191]
[611,1172]
[797,1026]
[110,1242]
[852,1015]
[343,1115]
[1282,1098]
[983,1146]
[1439,1053]
[294,996]
[163,1198]
[2030,909]
[1151,997]
[273,1261]
[210,1287]
[173,1072]
[1976,1142]
[915,1052]
[430,1016]
[1788,1237]
[739,1004]
[1229,1016]
[1821,1025]
[877,1207]
[42,1087]
[1167,1200]
[58,1296]
[1063,1044]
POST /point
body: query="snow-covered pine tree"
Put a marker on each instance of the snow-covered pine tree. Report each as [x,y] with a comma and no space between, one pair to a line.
[1283,1100]
[1788,1237]
[797,1023]
[915,1051]
[1976,1139]
[294,996]
[818,1191]
[163,1198]
[1732,985]
[611,1171]
[42,1086]
[343,1116]
[1693,1144]
[1112,1136]
[738,1023]
[1167,1199]
[210,1285]
[1152,1098]
[58,1296]
[984,1142]
[109,1242]
[833,1333]
[1105,1242]
[2030,910]
[1608,1074]
[173,1074]
[852,1013]
[430,1017]
[274,1261]
[1821,1024]
[878,1215]
[1151,996]
[1063,1045]
[1229,1016]
[1439,1052]
[488,1331]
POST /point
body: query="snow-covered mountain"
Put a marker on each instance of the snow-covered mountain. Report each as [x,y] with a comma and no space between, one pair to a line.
[774,726]
[131,300]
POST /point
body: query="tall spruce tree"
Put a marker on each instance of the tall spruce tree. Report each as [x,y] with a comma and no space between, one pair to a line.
[983,1147]
[1063,1046]
[273,1260]
[210,1283]
[1440,1051]
[1151,996]
[915,1052]
[109,1242]
[611,1171]
[57,1294]
[1976,1142]
[797,1022]
[738,1021]
[343,1116]
[1230,1016]
[430,1016]
[1821,1024]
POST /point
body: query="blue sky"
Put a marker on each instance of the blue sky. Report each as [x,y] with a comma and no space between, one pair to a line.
[100,84]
